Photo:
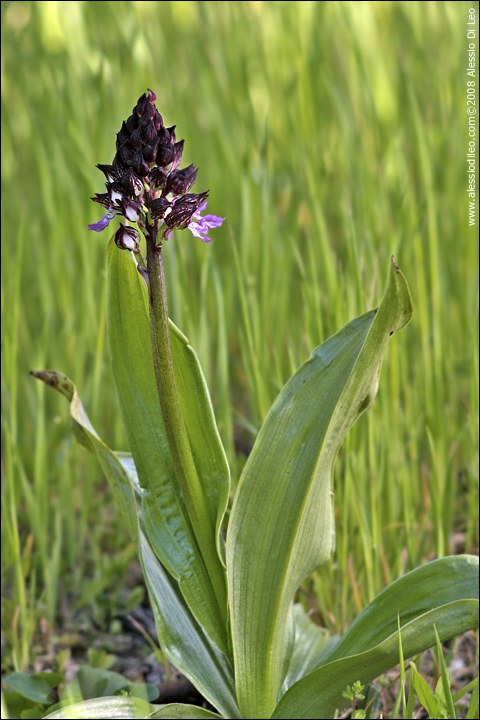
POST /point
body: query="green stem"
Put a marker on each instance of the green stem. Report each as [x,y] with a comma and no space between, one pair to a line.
[177,437]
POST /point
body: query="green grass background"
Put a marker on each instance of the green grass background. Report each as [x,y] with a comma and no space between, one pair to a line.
[331,135]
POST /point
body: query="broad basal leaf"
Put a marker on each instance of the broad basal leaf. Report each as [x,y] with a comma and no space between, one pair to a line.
[177,711]
[124,708]
[182,639]
[441,596]
[311,643]
[429,586]
[282,527]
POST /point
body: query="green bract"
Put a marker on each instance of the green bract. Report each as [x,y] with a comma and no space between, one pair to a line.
[225,615]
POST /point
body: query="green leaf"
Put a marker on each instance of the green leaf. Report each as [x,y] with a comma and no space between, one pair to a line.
[181,637]
[406,706]
[425,695]
[310,644]
[184,642]
[318,695]
[422,589]
[97,682]
[282,524]
[94,682]
[32,713]
[167,522]
[177,711]
[15,705]
[451,610]
[473,709]
[35,687]
[443,692]
[122,707]
[468,688]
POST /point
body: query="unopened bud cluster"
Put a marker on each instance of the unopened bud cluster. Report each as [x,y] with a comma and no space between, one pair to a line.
[145,185]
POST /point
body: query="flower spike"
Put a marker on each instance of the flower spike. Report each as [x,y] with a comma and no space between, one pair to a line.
[145,185]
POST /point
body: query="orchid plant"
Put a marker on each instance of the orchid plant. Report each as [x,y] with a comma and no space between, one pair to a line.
[224,609]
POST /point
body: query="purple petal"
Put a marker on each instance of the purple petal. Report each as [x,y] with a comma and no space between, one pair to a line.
[103,223]
[200,229]
[212,221]
[202,207]
[200,226]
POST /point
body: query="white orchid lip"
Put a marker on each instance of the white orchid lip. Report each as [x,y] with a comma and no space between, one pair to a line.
[128,238]
[115,196]
[131,214]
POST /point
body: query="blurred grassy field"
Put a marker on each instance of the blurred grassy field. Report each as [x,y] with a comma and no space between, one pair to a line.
[331,135]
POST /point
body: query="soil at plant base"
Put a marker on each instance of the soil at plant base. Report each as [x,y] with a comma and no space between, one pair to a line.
[460,656]
[117,637]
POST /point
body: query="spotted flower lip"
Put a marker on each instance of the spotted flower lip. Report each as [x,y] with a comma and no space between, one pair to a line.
[144,184]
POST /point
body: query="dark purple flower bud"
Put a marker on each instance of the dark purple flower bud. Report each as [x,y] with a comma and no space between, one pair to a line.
[120,167]
[139,165]
[163,136]
[159,207]
[133,183]
[180,181]
[171,131]
[150,132]
[151,96]
[127,238]
[103,199]
[125,152]
[183,209]
[131,123]
[165,155]
[136,138]
[142,105]
[110,172]
[158,120]
[149,151]
[145,120]
[177,154]
[123,135]
[158,178]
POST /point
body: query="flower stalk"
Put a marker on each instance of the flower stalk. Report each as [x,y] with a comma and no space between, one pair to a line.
[174,424]
[145,185]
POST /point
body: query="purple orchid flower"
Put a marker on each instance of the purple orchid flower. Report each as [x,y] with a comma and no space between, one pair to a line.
[199,226]
[145,186]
